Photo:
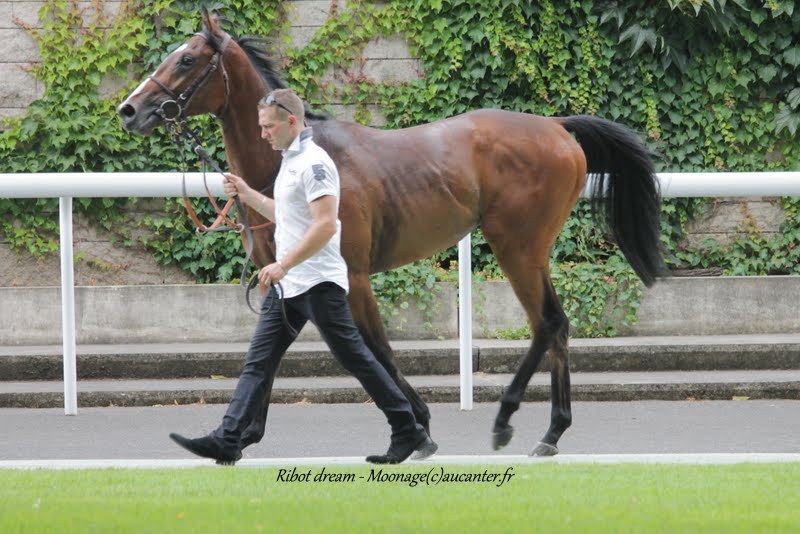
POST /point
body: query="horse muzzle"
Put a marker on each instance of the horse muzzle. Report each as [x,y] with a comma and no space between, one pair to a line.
[136,120]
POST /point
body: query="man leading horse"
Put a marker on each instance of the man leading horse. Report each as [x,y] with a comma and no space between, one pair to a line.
[312,277]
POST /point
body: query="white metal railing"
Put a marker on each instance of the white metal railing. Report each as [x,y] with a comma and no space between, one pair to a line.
[67,186]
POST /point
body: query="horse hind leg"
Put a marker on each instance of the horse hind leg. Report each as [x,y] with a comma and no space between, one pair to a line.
[550,333]
[561,411]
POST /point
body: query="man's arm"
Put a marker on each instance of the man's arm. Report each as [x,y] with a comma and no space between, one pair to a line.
[235,185]
[322,229]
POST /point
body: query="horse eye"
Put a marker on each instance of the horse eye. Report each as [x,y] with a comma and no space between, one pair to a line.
[187,61]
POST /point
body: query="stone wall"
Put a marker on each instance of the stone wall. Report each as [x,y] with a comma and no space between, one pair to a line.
[169,313]
[725,219]
[17,51]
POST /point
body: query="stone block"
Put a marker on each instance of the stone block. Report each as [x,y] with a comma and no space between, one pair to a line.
[726,215]
[409,323]
[495,307]
[99,260]
[27,12]
[391,47]
[111,85]
[308,12]
[347,113]
[111,11]
[17,87]
[726,219]
[698,240]
[396,70]
[718,306]
[300,36]
[168,313]
[7,16]
[18,47]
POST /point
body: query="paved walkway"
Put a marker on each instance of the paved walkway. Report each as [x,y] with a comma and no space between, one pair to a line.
[354,430]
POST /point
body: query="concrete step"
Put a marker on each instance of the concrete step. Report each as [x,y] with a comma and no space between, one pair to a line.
[428,357]
[586,386]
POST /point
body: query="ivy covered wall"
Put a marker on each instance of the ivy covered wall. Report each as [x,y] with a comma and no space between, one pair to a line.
[711,85]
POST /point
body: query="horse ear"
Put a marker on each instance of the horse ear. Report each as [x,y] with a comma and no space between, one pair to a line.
[210,22]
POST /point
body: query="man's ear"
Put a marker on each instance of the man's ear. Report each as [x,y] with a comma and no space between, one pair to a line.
[292,120]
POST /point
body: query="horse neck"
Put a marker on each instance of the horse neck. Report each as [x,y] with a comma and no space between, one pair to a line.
[248,155]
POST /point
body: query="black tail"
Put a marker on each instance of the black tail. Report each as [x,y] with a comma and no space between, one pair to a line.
[625,191]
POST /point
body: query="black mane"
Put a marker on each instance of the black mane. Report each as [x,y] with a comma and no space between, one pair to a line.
[256,50]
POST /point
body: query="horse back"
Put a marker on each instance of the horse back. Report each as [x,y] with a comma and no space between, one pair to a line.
[412,192]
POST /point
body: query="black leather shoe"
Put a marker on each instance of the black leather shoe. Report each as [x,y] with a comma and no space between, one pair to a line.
[247,440]
[209,447]
[426,450]
[399,450]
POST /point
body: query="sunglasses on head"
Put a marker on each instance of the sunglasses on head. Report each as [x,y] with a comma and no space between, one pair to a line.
[271,101]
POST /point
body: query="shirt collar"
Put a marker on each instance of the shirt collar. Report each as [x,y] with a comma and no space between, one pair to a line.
[298,141]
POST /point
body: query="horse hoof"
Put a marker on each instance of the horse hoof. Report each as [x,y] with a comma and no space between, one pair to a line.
[500,438]
[543,449]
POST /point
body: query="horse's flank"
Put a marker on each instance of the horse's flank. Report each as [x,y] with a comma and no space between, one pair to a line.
[437,182]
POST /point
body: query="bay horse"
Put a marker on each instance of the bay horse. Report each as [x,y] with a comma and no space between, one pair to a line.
[407,194]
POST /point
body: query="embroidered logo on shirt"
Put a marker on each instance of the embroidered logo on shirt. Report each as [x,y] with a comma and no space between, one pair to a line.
[319,172]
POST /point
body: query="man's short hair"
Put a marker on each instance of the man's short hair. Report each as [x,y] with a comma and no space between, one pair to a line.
[287,103]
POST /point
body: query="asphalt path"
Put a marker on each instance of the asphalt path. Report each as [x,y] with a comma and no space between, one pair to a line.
[330,430]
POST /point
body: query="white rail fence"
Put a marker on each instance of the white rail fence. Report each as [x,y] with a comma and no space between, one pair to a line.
[66,186]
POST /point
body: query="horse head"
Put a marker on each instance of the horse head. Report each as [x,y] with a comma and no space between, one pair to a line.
[192,80]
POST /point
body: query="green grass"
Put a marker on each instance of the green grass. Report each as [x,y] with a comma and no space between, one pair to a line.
[539,498]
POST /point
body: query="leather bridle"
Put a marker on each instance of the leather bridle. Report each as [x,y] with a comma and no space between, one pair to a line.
[174,114]
[175,109]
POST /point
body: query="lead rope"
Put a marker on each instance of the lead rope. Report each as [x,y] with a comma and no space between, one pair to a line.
[191,136]
[198,149]
[279,295]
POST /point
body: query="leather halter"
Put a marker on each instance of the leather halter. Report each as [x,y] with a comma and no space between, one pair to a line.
[175,109]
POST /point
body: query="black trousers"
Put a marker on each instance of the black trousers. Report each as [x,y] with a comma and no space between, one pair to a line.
[326,306]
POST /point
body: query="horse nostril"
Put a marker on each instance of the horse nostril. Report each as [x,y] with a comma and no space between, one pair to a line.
[126,110]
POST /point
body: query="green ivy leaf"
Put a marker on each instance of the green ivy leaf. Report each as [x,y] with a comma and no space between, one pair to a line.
[767,73]
[716,87]
[792,56]
[758,16]
[787,119]
[794,98]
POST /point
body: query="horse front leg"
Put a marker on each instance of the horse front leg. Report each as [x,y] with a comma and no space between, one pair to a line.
[502,432]
[365,312]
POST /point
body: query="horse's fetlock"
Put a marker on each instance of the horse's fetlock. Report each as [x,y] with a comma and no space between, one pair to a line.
[562,419]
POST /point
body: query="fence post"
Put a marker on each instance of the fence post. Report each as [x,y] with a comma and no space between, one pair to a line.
[465,319]
[68,307]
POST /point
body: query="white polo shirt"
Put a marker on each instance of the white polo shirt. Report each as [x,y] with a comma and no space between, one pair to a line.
[306,174]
